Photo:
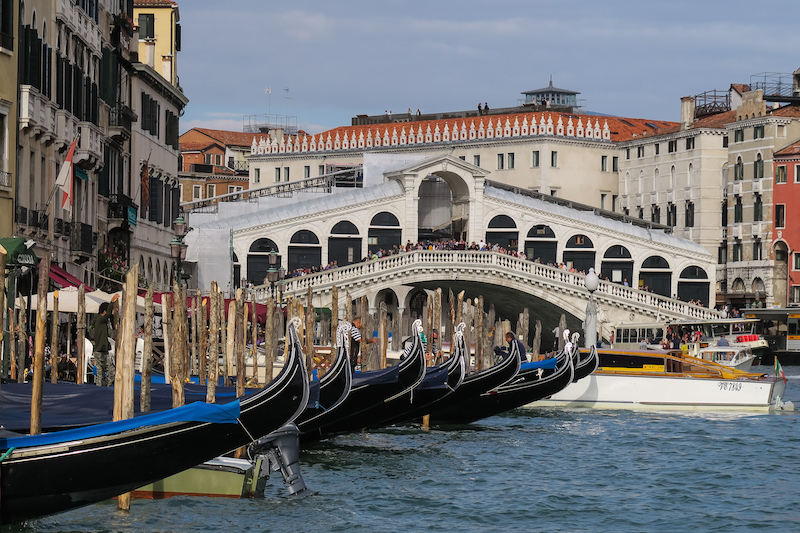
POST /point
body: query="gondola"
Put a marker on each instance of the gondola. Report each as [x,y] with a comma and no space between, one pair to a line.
[587,362]
[533,382]
[49,473]
[335,385]
[439,381]
[368,392]
[473,385]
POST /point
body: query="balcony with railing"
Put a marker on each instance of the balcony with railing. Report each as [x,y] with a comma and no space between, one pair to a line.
[36,112]
[5,179]
[89,150]
[118,209]
[81,241]
[120,121]
[21,215]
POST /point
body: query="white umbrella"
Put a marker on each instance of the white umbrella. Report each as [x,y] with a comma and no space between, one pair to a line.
[68,301]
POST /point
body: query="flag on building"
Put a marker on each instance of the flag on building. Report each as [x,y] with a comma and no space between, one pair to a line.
[145,184]
[64,179]
[779,370]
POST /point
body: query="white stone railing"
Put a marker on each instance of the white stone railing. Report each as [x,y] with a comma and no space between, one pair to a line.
[409,262]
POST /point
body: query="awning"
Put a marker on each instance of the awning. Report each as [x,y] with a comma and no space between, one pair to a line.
[18,254]
[64,278]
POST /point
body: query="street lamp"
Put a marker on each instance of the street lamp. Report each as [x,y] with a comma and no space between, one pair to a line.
[178,248]
[592,281]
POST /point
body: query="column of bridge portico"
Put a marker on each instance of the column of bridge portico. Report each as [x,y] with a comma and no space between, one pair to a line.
[477,232]
[411,222]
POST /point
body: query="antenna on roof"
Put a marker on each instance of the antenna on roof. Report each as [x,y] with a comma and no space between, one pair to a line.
[268,92]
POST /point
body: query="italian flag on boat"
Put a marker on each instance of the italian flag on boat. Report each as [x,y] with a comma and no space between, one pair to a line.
[779,370]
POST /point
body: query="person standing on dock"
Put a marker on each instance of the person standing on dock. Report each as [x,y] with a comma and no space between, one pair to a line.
[105,364]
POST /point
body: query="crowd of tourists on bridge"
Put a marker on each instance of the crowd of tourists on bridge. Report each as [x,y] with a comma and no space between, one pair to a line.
[449,245]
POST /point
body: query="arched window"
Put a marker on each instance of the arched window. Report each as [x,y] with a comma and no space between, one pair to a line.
[344,227]
[304,236]
[384,219]
[502,221]
[344,244]
[258,261]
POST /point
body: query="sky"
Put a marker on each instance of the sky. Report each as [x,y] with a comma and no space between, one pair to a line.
[328,61]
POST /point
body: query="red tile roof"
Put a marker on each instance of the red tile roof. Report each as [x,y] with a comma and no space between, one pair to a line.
[790,111]
[227,138]
[620,129]
[793,150]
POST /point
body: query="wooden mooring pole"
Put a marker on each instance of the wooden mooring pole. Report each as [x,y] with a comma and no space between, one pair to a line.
[126,356]
[38,354]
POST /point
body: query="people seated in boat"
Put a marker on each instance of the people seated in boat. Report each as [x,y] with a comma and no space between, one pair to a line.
[723,341]
[504,351]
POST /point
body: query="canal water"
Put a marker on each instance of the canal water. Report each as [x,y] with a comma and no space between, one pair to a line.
[527,470]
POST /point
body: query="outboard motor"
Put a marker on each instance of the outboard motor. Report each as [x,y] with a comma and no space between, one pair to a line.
[280,450]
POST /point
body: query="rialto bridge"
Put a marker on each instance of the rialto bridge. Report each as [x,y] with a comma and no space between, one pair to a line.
[641,265]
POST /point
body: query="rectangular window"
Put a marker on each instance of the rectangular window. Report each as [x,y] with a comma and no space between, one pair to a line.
[780,216]
[655,214]
[758,169]
[277,174]
[510,160]
[690,143]
[672,146]
[322,170]
[738,171]
[257,176]
[758,132]
[737,210]
[738,136]
[689,217]
[640,152]
[797,173]
[780,174]
[796,261]
[501,161]
[656,148]
[211,190]
[795,296]
[462,157]
[757,250]
[758,208]
[722,255]
[615,164]
[476,160]
[604,163]
[554,159]
[285,173]
[307,171]
[147,26]
[535,159]
[725,141]
[737,251]
[627,153]
[197,192]
[603,201]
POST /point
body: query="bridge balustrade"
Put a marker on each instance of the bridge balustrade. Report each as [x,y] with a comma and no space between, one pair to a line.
[358,274]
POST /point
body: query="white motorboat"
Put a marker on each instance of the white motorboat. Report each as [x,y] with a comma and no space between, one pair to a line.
[669,380]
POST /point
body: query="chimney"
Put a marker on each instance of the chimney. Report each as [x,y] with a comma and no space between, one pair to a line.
[687,112]
[166,67]
[150,53]
[276,134]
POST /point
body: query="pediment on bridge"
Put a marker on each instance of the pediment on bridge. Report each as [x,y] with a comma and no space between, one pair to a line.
[465,179]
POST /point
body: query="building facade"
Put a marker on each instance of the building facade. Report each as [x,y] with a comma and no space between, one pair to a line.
[9,50]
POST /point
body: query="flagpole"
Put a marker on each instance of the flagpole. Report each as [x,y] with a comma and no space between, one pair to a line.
[55,187]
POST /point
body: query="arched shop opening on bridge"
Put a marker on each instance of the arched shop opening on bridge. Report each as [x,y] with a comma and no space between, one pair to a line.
[579,253]
[304,251]
[258,260]
[541,244]
[693,284]
[384,232]
[655,275]
[344,244]
[617,265]
[503,232]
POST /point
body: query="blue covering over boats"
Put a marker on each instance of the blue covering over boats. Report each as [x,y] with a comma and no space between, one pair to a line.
[375,377]
[547,364]
[67,405]
[435,378]
[194,412]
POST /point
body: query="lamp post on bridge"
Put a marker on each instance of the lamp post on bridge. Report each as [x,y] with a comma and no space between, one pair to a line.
[274,275]
[590,323]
